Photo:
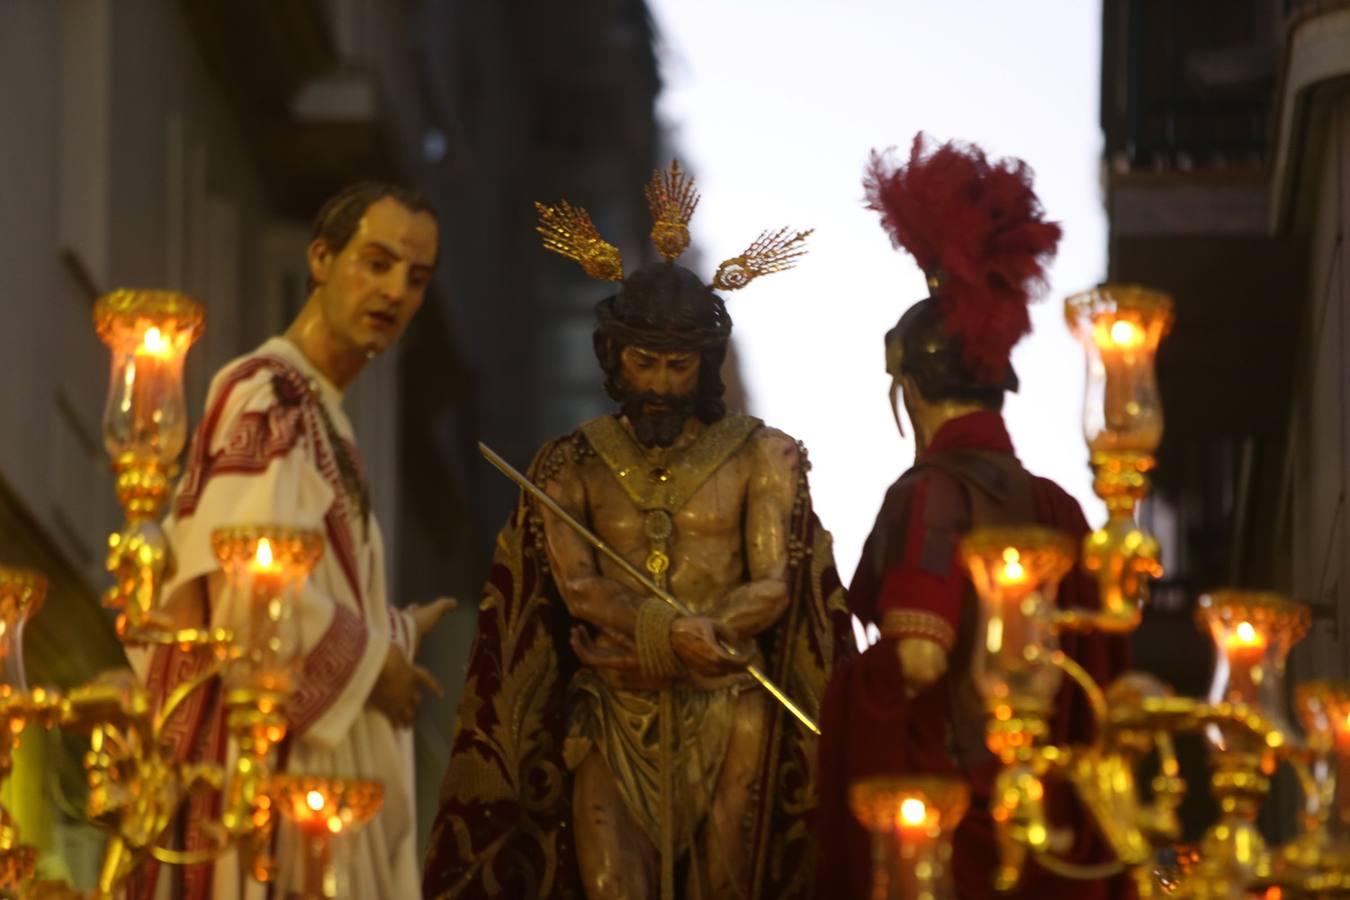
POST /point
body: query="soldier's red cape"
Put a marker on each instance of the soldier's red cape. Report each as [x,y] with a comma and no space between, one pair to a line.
[870,727]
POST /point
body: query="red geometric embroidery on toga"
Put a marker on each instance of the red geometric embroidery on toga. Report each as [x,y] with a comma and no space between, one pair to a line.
[251,445]
[328,667]
[258,438]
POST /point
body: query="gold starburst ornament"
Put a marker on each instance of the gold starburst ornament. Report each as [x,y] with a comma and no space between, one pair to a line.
[568,231]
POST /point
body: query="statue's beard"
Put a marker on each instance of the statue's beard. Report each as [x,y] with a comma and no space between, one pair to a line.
[656,429]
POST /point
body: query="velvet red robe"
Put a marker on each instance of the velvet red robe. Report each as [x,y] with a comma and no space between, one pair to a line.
[871,728]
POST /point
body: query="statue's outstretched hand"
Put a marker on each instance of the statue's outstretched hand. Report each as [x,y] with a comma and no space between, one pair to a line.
[426,615]
[398,689]
[698,640]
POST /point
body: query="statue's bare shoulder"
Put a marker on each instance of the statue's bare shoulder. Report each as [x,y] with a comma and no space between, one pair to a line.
[774,456]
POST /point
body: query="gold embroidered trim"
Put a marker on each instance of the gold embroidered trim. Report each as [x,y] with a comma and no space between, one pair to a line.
[906,623]
[666,486]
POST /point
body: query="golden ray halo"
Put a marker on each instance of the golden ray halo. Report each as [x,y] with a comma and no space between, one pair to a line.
[772,251]
[568,231]
[672,200]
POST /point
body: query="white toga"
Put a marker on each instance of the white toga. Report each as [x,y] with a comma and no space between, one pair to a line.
[263,454]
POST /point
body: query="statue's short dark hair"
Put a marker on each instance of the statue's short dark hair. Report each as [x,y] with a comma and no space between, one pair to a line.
[341,213]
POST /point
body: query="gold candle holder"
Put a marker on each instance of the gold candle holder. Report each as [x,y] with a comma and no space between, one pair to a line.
[1318,860]
[1120,328]
[911,820]
[1016,572]
[266,567]
[21,594]
[137,785]
[144,430]
[323,809]
[1253,632]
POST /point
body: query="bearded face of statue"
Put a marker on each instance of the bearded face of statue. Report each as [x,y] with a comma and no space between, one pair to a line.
[658,392]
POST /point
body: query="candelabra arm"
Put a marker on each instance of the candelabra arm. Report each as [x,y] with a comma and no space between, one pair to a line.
[1246,718]
[1160,818]
[1096,699]
[114,705]
[1077,871]
[182,692]
[188,857]
[158,632]
[140,561]
[1022,827]
[196,776]
[1123,558]
[118,863]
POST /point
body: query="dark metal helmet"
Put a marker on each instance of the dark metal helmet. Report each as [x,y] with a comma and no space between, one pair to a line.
[920,346]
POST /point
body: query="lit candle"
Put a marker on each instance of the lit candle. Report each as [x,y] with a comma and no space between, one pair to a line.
[1012,573]
[1132,421]
[911,819]
[1245,647]
[323,809]
[913,823]
[1120,327]
[149,333]
[266,567]
[264,564]
[153,394]
[268,585]
[920,864]
[1340,726]
[1245,644]
[1340,761]
[1015,571]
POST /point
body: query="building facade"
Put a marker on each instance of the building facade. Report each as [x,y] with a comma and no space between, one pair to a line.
[185,145]
[1226,169]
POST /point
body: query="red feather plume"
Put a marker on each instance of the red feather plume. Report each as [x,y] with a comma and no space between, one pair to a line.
[980,229]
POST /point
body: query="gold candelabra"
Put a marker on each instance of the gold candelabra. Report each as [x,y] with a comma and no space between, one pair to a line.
[1020,668]
[324,809]
[138,786]
[911,820]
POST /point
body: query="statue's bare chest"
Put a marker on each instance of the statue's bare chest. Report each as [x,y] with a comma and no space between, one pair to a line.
[714,509]
[662,500]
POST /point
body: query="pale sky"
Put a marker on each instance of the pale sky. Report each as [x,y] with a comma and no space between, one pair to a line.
[774,106]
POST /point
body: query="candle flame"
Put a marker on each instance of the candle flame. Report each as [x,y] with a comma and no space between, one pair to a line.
[1126,334]
[1245,642]
[315,800]
[264,553]
[913,812]
[154,342]
[1013,571]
